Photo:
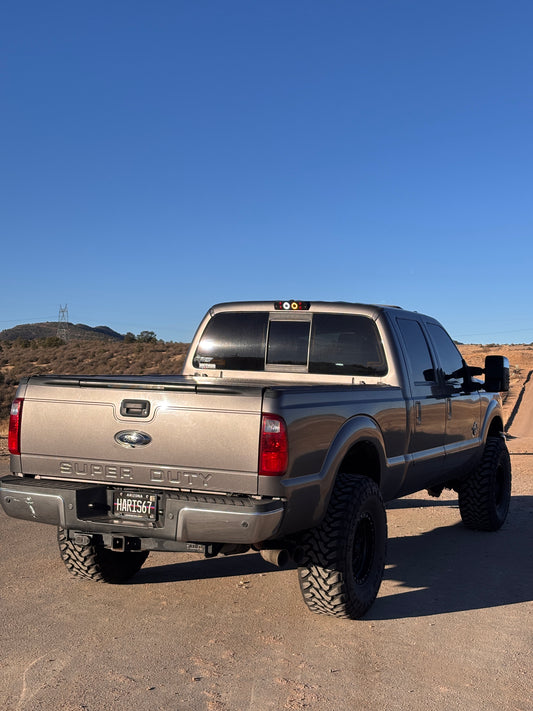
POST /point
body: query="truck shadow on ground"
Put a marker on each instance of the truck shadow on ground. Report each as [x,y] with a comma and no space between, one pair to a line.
[411,503]
[446,569]
[453,569]
[203,569]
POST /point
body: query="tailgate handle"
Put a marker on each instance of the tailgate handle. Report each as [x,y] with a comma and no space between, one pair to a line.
[135,408]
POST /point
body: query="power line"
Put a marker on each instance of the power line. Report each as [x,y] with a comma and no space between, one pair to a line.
[495,333]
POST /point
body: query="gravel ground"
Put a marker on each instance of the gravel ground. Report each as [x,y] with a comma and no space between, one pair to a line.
[451,628]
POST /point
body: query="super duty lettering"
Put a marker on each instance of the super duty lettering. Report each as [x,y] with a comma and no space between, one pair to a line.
[88,469]
[292,424]
[178,478]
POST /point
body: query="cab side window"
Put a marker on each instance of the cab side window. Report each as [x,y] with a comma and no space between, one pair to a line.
[417,351]
[450,359]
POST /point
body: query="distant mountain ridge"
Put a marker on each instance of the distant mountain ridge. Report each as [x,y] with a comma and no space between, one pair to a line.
[76,332]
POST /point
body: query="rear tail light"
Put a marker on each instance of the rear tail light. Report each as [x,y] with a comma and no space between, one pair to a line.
[274,449]
[13,440]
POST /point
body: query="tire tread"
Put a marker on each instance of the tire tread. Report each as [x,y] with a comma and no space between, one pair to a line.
[96,563]
[323,575]
[477,493]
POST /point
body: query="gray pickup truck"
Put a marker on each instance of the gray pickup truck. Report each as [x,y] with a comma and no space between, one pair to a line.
[291,425]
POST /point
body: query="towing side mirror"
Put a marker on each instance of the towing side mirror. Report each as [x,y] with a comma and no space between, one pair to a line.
[496,374]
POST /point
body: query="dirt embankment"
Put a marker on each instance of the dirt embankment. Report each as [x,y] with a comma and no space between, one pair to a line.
[521,365]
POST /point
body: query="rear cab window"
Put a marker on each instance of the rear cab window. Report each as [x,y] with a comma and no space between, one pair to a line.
[319,343]
[233,341]
[288,343]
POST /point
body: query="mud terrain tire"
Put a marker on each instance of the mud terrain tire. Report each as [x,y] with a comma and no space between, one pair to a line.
[94,562]
[485,496]
[342,561]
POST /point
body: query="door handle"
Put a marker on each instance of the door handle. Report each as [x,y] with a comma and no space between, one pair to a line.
[418,412]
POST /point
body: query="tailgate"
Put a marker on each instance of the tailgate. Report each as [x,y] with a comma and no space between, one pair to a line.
[174,433]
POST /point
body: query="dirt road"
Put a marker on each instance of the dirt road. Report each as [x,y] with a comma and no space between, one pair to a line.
[451,629]
[521,427]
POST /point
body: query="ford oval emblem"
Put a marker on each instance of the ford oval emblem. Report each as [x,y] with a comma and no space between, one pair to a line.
[132,438]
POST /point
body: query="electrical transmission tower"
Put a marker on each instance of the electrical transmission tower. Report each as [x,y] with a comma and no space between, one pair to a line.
[62,323]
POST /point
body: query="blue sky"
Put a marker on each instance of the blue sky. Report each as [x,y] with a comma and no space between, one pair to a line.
[159,157]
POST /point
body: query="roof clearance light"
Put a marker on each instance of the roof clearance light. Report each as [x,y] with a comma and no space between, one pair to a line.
[292,305]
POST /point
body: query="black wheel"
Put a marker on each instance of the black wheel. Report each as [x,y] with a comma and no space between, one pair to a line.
[343,559]
[94,562]
[485,496]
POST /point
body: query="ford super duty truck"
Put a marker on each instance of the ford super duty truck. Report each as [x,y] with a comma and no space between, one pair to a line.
[291,424]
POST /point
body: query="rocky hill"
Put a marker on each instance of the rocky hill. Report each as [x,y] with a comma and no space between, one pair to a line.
[48,329]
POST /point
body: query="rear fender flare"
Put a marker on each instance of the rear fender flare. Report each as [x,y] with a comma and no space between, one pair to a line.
[360,428]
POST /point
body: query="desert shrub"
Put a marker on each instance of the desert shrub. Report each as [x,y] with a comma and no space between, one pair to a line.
[147,337]
[52,342]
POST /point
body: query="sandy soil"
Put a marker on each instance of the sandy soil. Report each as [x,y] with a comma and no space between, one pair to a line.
[450,630]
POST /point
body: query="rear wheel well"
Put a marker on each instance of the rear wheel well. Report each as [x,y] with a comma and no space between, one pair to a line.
[495,428]
[363,459]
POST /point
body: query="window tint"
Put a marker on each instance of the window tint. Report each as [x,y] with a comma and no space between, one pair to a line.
[288,343]
[346,345]
[332,344]
[233,341]
[417,350]
[449,356]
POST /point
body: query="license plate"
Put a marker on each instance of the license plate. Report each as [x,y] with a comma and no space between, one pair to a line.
[135,504]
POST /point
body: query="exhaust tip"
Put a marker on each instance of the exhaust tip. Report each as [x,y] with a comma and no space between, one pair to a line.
[276,556]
